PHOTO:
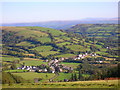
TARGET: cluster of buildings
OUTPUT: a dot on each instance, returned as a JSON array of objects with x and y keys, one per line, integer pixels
[
  {"x": 33, "y": 68},
  {"x": 99, "y": 61},
  {"x": 55, "y": 65},
  {"x": 81, "y": 56}
]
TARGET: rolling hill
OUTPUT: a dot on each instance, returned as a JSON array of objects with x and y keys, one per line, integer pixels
[
  {"x": 73, "y": 52},
  {"x": 42, "y": 40},
  {"x": 96, "y": 30}
]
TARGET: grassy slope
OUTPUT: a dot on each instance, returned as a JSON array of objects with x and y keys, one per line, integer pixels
[
  {"x": 31, "y": 75},
  {"x": 64, "y": 43},
  {"x": 65, "y": 55},
  {"x": 51, "y": 31},
  {"x": 33, "y": 62},
  {"x": 74, "y": 65},
  {"x": 77, "y": 48},
  {"x": 9, "y": 58},
  {"x": 16, "y": 71},
  {"x": 60, "y": 38},
  {"x": 78, "y": 84},
  {"x": 25, "y": 43},
  {"x": 25, "y": 31},
  {"x": 97, "y": 30},
  {"x": 63, "y": 76},
  {"x": 44, "y": 39},
  {"x": 42, "y": 33},
  {"x": 42, "y": 48},
  {"x": 48, "y": 53}
]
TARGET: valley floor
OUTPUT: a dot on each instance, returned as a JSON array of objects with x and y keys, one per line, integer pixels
[{"x": 77, "y": 84}]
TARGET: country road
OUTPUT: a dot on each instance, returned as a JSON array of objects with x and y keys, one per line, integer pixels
[{"x": 56, "y": 75}]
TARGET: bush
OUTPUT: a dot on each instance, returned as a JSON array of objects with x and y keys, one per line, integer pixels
[{"x": 8, "y": 78}]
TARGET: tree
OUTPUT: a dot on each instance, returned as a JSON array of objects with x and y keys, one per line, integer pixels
[
  {"x": 79, "y": 67},
  {"x": 13, "y": 66},
  {"x": 57, "y": 69},
  {"x": 8, "y": 78},
  {"x": 23, "y": 63},
  {"x": 80, "y": 75},
  {"x": 72, "y": 77},
  {"x": 75, "y": 77}
]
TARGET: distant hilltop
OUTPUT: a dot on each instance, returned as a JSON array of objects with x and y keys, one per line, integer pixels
[{"x": 67, "y": 23}]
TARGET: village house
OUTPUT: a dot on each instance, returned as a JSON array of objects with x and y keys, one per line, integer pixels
[
  {"x": 32, "y": 68},
  {"x": 56, "y": 64},
  {"x": 99, "y": 61},
  {"x": 45, "y": 60}
]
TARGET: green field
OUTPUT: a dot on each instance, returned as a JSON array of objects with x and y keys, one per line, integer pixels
[
  {"x": 103, "y": 49},
  {"x": 30, "y": 46},
  {"x": 65, "y": 55},
  {"x": 77, "y": 48},
  {"x": 25, "y": 43},
  {"x": 48, "y": 53},
  {"x": 48, "y": 30},
  {"x": 98, "y": 46},
  {"x": 85, "y": 75},
  {"x": 44, "y": 39},
  {"x": 42, "y": 48},
  {"x": 74, "y": 65},
  {"x": 26, "y": 32},
  {"x": 33, "y": 62},
  {"x": 31, "y": 75},
  {"x": 9, "y": 58},
  {"x": 79, "y": 84},
  {"x": 16, "y": 71},
  {"x": 102, "y": 53},
  {"x": 96, "y": 30},
  {"x": 63, "y": 76},
  {"x": 64, "y": 43}
]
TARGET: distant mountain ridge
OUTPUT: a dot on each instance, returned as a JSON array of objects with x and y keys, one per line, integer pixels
[{"x": 67, "y": 24}]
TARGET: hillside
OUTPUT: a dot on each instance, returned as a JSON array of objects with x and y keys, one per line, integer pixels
[
  {"x": 96, "y": 30},
  {"x": 44, "y": 53},
  {"x": 99, "y": 84},
  {"x": 46, "y": 39}
]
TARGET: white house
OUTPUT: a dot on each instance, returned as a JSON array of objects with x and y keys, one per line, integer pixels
[
  {"x": 53, "y": 71},
  {"x": 45, "y": 70}
]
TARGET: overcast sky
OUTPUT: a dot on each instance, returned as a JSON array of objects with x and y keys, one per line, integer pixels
[{"x": 14, "y": 12}]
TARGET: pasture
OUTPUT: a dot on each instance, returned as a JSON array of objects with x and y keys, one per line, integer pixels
[
  {"x": 64, "y": 43},
  {"x": 78, "y": 84},
  {"x": 33, "y": 62},
  {"x": 48, "y": 53},
  {"x": 42, "y": 48},
  {"x": 53, "y": 32},
  {"x": 16, "y": 71},
  {"x": 25, "y": 43},
  {"x": 28, "y": 33},
  {"x": 25, "y": 31},
  {"x": 9, "y": 58},
  {"x": 63, "y": 76},
  {"x": 73, "y": 65},
  {"x": 65, "y": 55},
  {"x": 78, "y": 48},
  {"x": 31, "y": 75},
  {"x": 44, "y": 39}
]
